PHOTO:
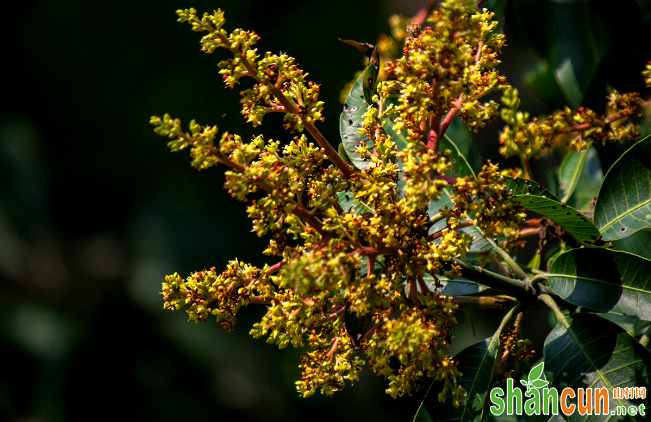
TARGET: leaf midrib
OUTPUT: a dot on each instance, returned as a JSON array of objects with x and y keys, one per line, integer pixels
[
  {"x": 598, "y": 281},
  {"x": 592, "y": 363},
  {"x": 619, "y": 217}
]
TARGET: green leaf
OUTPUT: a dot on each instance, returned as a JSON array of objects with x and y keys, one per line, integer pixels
[
  {"x": 571, "y": 220},
  {"x": 369, "y": 76},
  {"x": 639, "y": 243},
  {"x": 543, "y": 81},
  {"x": 580, "y": 47},
  {"x": 461, "y": 169},
  {"x": 589, "y": 182},
  {"x": 348, "y": 202},
  {"x": 587, "y": 351},
  {"x": 456, "y": 287},
  {"x": 633, "y": 326},
  {"x": 624, "y": 203},
  {"x": 607, "y": 281},
  {"x": 571, "y": 171},
  {"x": 400, "y": 139},
  {"x": 343, "y": 154},
  {"x": 568, "y": 83},
  {"x": 521, "y": 186},
  {"x": 476, "y": 365},
  {"x": 463, "y": 139},
  {"x": 351, "y": 120}
]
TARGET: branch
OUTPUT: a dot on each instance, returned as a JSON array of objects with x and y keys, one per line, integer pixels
[
  {"x": 547, "y": 300},
  {"x": 583, "y": 126},
  {"x": 299, "y": 210},
  {"x": 509, "y": 261},
  {"x": 450, "y": 116},
  {"x": 290, "y": 107},
  {"x": 484, "y": 302},
  {"x": 519, "y": 289}
]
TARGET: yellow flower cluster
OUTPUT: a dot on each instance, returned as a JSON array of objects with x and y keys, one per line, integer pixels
[{"x": 351, "y": 282}]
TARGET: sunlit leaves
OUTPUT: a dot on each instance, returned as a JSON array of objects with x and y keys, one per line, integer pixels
[
  {"x": 606, "y": 281},
  {"x": 589, "y": 351},
  {"x": 572, "y": 221},
  {"x": 624, "y": 203}
]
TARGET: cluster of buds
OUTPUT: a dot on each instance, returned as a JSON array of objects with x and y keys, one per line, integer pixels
[
  {"x": 352, "y": 280},
  {"x": 488, "y": 201},
  {"x": 527, "y": 138},
  {"x": 442, "y": 70},
  {"x": 516, "y": 353}
]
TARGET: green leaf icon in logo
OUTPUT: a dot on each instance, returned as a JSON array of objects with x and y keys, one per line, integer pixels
[{"x": 536, "y": 379}]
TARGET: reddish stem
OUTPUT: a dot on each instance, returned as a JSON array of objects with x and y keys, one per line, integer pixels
[
  {"x": 333, "y": 348},
  {"x": 583, "y": 126},
  {"x": 499, "y": 265},
  {"x": 434, "y": 132},
  {"x": 534, "y": 222},
  {"x": 423, "y": 287},
  {"x": 375, "y": 327},
  {"x": 529, "y": 232},
  {"x": 450, "y": 116},
  {"x": 261, "y": 300},
  {"x": 451, "y": 180},
  {"x": 371, "y": 266},
  {"x": 252, "y": 72}
]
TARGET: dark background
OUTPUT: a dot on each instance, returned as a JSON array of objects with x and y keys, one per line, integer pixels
[{"x": 95, "y": 210}]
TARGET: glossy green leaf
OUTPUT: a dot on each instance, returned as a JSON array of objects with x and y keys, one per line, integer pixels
[
  {"x": 465, "y": 142},
  {"x": 555, "y": 254},
  {"x": 400, "y": 139},
  {"x": 639, "y": 243},
  {"x": 633, "y": 326},
  {"x": 607, "y": 281},
  {"x": 456, "y": 287},
  {"x": 343, "y": 154},
  {"x": 568, "y": 83},
  {"x": 351, "y": 120},
  {"x": 570, "y": 36},
  {"x": 580, "y": 47},
  {"x": 589, "y": 182},
  {"x": 461, "y": 169},
  {"x": 571, "y": 220},
  {"x": 586, "y": 351},
  {"x": 369, "y": 76},
  {"x": 543, "y": 81},
  {"x": 476, "y": 365},
  {"x": 624, "y": 203},
  {"x": 571, "y": 171},
  {"x": 348, "y": 202},
  {"x": 521, "y": 186}
]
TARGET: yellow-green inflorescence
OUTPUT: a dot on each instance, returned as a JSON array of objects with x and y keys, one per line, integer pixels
[
  {"x": 352, "y": 247},
  {"x": 526, "y": 137}
]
